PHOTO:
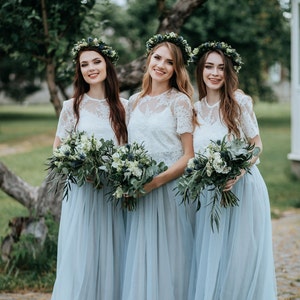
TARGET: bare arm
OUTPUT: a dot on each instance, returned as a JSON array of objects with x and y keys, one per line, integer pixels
[
  {"x": 56, "y": 142},
  {"x": 177, "y": 168}
]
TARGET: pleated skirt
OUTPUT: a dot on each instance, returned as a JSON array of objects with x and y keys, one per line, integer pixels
[
  {"x": 159, "y": 242},
  {"x": 90, "y": 247},
  {"x": 236, "y": 262}
]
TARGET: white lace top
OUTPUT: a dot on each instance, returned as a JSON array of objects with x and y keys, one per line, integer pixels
[
  {"x": 158, "y": 122},
  {"x": 211, "y": 125},
  {"x": 94, "y": 118}
]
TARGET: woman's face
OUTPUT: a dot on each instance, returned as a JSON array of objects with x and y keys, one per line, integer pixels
[
  {"x": 161, "y": 67},
  {"x": 213, "y": 71},
  {"x": 93, "y": 67}
]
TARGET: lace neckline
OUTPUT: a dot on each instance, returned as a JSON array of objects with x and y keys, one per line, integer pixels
[
  {"x": 159, "y": 95},
  {"x": 91, "y": 98},
  {"x": 213, "y": 105}
]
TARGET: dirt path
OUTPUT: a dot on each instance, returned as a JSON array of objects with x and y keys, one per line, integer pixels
[
  {"x": 286, "y": 243},
  {"x": 27, "y": 145}
]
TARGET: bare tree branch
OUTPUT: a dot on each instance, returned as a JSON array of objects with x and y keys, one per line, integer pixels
[{"x": 131, "y": 74}]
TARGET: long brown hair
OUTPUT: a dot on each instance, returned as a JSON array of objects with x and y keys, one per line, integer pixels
[
  {"x": 229, "y": 107},
  {"x": 117, "y": 111}
]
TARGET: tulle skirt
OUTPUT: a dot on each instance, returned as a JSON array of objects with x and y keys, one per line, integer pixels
[
  {"x": 159, "y": 248},
  {"x": 90, "y": 247},
  {"x": 235, "y": 263}
]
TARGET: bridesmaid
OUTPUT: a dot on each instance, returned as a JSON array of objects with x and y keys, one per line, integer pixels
[
  {"x": 235, "y": 263},
  {"x": 92, "y": 232},
  {"x": 159, "y": 233}
]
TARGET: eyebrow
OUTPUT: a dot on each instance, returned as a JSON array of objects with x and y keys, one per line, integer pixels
[
  {"x": 210, "y": 63},
  {"x": 96, "y": 58}
]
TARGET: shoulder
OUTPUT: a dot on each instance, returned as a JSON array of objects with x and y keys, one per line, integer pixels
[
  {"x": 243, "y": 99},
  {"x": 68, "y": 104},
  {"x": 124, "y": 101},
  {"x": 179, "y": 97},
  {"x": 133, "y": 97}
]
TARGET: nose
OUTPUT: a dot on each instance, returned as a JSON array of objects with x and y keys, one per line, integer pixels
[{"x": 215, "y": 71}]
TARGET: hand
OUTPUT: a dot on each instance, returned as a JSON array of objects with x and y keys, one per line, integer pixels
[{"x": 230, "y": 183}]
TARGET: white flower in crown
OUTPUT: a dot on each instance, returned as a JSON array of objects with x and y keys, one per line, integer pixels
[
  {"x": 97, "y": 43},
  {"x": 174, "y": 38},
  {"x": 222, "y": 46}
]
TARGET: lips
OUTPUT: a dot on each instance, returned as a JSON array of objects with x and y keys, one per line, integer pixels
[{"x": 93, "y": 75}]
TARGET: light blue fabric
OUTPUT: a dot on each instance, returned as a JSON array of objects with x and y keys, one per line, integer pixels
[
  {"x": 236, "y": 262},
  {"x": 90, "y": 253}
]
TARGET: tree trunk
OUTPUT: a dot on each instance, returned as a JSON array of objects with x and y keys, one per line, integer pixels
[{"x": 38, "y": 200}]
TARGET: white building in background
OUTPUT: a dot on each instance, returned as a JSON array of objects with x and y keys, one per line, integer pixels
[{"x": 294, "y": 156}]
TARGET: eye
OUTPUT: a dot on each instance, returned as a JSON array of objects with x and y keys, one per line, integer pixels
[
  {"x": 98, "y": 61},
  {"x": 83, "y": 65},
  {"x": 157, "y": 57},
  {"x": 170, "y": 62}
]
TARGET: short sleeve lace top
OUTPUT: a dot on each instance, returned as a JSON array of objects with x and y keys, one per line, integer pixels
[
  {"x": 211, "y": 126},
  {"x": 159, "y": 121},
  {"x": 94, "y": 118}
]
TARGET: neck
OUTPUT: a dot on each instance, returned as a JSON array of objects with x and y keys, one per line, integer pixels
[
  {"x": 97, "y": 92},
  {"x": 159, "y": 88},
  {"x": 212, "y": 97}
]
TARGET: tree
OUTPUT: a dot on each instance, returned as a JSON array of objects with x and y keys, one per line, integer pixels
[
  {"x": 38, "y": 33},
  {"x": 257, "y": 29}
]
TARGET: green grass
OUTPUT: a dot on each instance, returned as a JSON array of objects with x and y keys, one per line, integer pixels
[{"x": 274, "y": 122}]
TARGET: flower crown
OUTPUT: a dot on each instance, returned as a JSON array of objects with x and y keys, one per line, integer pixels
[
  {"x": 174, "y": 38},
  {"x": 225, "y": 48},
  {"x": 97, "y": 43}
]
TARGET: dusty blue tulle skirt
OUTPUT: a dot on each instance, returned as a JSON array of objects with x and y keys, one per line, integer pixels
[
  {"x": 235, "y": 263},
  {"x": 90, "y": 247},
  {"x": 159, "y": 248}
]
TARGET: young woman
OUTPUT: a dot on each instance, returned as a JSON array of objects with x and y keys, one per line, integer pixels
[
  {"x": 237, "y": 261},
  {"x": 159, "y": 232},
  {"x": 91, "y": 233}
]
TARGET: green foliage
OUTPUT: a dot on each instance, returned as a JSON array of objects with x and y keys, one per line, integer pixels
[
  {"x": 30, "y": 260},
  {"x": 256, "y": 29},
  {"x": 37, "y": 33}
]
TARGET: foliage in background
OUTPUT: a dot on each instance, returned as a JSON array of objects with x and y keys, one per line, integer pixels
[
  {"x": 31, "y": 264},
  {"x": 257, "y": 29}
]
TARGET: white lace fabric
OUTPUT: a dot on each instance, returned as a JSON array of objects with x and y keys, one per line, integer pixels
[
  {"x": 211, "y": 126},
  {"x": 94, "y": 118},
  {"x": 158, "y": 122}
]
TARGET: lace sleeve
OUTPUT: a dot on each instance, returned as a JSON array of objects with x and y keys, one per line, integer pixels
[
  {"x": 184, "y": 114},
  {"x": 249, "y": 123},
  {"x": 67, "y": 120}
]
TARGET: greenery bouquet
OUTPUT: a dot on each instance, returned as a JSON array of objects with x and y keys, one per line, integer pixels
[
  {"x": 79, "y": 159},
  {"x": 221, "y": 161},
  {"x": 130, "y": 169}
]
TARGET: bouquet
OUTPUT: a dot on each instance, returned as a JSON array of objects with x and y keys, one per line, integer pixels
[
  {"x": 221, "y": 161},
  {"x": 131, "y": 168},
  {"x": 80, "y": 158}
]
